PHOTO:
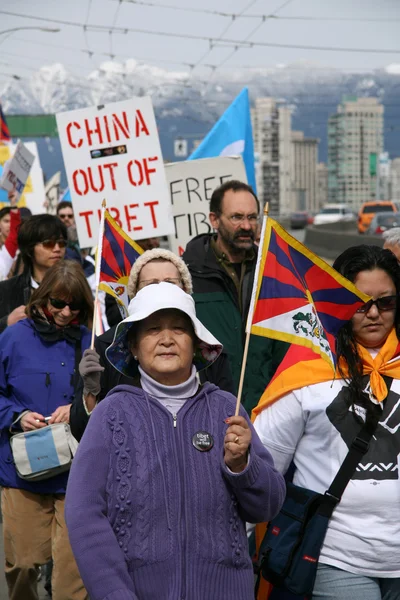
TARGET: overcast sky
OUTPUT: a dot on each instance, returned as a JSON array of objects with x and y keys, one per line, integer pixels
[{"x": 22, "y": 52}]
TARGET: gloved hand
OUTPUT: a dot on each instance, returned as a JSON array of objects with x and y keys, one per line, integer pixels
[{"x": 90, "y": 370}]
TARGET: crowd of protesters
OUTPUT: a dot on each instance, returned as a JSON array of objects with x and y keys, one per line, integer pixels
[{"x": 166, "y": 478}]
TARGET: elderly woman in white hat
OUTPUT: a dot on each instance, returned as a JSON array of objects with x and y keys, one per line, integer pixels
[
  {"x": 98, "y": 376},
  {"x": 166, "y": 476}
]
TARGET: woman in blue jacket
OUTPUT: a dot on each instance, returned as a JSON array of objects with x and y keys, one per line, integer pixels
[{"x": 38, "y": 361}]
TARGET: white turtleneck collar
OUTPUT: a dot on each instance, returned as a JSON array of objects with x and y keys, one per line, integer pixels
[{"x": 173, "y": 397}]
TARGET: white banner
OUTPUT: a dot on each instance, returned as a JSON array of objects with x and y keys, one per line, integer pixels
[
  {"x": 191, "y": 184},
  {"x": 114, "y": 152}
]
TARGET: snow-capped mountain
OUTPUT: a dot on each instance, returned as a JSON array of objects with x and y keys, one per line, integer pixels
[{"x": 186, "y": 106}]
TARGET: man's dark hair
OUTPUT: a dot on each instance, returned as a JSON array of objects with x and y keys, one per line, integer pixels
[
  {"x": 4, "y": 212},
  {"x": 235, "y": 186},
  {"x": 36, "y": 229},
  {"x": 64, "y": 204}
]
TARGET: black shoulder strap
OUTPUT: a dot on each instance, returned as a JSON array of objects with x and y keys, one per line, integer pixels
[{"x": 358, "y": 448}]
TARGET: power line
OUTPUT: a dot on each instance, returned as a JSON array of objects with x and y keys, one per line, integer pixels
[
  {"x": 107, "y": 54},
  {"x": 153, "y": 59},
  {"x": 252, "y": 32},
  {"x": 233, "y": 16},
  {"x": 112, "y": 28},
  {"x": 125, "y": 30},
  {"x": 226, "y": 29},
  {"x": 85, "y": 33},
  {"x": 339, "y": 19},
  {"x": 30, "y": 58}
]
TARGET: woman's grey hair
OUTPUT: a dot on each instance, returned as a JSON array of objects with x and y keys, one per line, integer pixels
[
  {"x": 161, "y": 255},
  {"x": 392, "y": 236}
]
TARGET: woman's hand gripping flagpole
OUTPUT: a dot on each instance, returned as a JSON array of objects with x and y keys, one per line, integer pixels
[
  {"x": 97, "y": 272},
  {"x": 261, "y": 251}
]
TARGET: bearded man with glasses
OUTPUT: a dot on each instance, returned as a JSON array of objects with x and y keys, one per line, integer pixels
[
  {"x": 65, "y": 213},
  {"x": 42, "y": 240},
  {"x": 222, "y": 265}
]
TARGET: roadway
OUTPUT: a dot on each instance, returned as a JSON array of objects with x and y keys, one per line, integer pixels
[{"x": 299, "y": 234}]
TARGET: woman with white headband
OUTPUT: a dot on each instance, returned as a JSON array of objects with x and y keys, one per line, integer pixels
[
  {"x": 98, "y": 376},
  {"x": 166, "y": 476}
]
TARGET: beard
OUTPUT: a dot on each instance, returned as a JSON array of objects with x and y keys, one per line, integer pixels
[{"x": 232, "y": 239}]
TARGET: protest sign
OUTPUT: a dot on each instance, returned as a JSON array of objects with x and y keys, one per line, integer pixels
[
  {"x": 16, "y": 170},
  {"x": 191, "y": 184},
  {"x": 113, "y": 152},
  {"x": 33, "y": 193},
  {"x": 52, "y": 191}
]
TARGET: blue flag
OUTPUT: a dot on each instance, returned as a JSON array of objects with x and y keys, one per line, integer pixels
[
  {"x": 232, "y": 134},
  {"x": 66, "y": 196}
]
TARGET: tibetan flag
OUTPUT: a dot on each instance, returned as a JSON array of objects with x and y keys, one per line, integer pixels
[
  {"x": 5, "y": 136},
  {"x": 298, "y": 298},
  {"x": 118, "y": 253}
]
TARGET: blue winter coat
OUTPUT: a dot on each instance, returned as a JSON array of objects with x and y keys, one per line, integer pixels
[{"x": 38, "y": 376}]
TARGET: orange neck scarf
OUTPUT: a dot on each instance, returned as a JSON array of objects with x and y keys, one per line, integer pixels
[
  {"x": 380, "y": 365},
  {"x": 311, "y": 370}
]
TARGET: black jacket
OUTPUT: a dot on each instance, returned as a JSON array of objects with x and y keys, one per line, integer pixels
[
  {"x": 217, "y": 306},
  {"x": 218, "y": 373},
  {"x": 113, "y": 314},
  {"x": 13, "y": 293}
]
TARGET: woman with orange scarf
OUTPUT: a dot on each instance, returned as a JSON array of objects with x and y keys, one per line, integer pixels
[{"x": 317, "y": 418}]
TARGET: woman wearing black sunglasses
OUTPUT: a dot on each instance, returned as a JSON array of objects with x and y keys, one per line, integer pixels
[
  {"x": 315, "y": 424},
  {"x": 39, "y": 357},
  {"x": 42, "y": 241}
]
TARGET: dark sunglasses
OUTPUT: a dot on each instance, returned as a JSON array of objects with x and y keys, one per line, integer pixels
[
  {"x": 50, "y": 244},
  {"x": 60, "y": 304},
  {"x": 382, "y": 304}
]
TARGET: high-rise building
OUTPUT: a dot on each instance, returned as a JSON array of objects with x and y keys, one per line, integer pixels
[
  {"x": 272, "y": 145},
  {"x": 355, "y": 141},
  {"x": 304, "y": 176},
  {"x": 322, "y": 185},
  {"x": 394, "y": 186}
]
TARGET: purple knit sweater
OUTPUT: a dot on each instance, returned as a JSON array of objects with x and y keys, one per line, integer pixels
[{"x": 150, "y": 517}]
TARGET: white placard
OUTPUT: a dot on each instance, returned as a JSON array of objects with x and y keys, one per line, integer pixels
[
  {"x": 17, "y": 169},
  {"x": 33, "y": 195},
  {"x": 191, "y": 184},
  {"x": 113, "y": 152},
  {"x": 52, "y": 191}
]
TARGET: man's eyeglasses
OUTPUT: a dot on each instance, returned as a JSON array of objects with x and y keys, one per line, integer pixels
[
  {"x": 237, "y": 219},
  {"x": 382, "y": 304},
  {"x": 66, "y": 216},
  {"x": 50, "y": 244},
  {"x": 146, "y": 282},
  {"x": 60, "y": 304}
]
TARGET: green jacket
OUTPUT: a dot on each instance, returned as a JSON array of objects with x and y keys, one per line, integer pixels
[{"x": 217, "y": 306}]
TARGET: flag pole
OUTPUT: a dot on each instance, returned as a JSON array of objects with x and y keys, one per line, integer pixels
[
  {"x": 97, "y": 272},
  {"x": 251, "y": 309}
]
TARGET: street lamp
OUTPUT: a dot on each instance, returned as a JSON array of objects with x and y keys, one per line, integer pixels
[{"x": 46, "y": 29}]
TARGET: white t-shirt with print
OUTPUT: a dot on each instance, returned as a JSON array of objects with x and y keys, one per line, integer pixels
[{"x": 310, "y": 426}]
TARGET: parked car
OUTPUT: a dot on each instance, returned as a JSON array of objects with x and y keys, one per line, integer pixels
[
  {"x": 331, "y": 213},
  {"x": 300, "y": 219},
  {"x": 382, "y": 222},
  {"x": 369, "y": 209}
]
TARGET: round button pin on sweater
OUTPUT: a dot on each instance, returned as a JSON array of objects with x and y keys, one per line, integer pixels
[{"x": 203, "y": 441}]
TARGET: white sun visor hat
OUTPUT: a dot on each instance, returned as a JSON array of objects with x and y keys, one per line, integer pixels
[{"x": 150, "y": 299}]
